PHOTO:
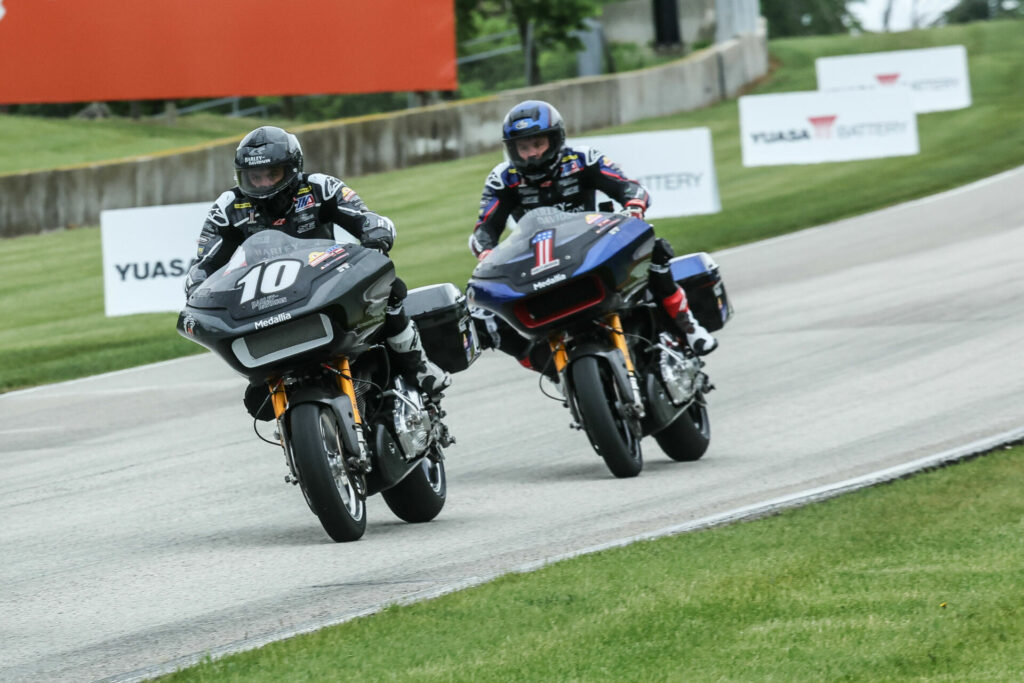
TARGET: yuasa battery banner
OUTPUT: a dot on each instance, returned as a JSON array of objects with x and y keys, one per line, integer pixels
[
  {"x": 147, "y": 252},
  {"x": 96, "y": 50},
  {"x": 146, "y": 255},
  {"x": 815, "y": 127},
  {"x": 676, "y": 166},
  {"x": 936, "y": 77}
]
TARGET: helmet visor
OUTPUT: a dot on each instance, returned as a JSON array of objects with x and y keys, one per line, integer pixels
[{"x": 263, "y": 181}]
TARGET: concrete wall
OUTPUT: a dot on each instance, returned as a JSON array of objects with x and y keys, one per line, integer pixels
[{"x": 47, "y": 200}]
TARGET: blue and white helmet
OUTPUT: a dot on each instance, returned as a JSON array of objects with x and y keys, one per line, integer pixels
[{"x": 526, "y": 120}]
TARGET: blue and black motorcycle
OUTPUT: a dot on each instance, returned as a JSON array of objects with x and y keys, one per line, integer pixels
[{"x": 575, "y": 284}]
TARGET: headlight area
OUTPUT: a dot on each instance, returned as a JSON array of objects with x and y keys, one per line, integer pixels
[{"x": 283, "y": 341}]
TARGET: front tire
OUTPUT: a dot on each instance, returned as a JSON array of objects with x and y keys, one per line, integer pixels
[
  {"x": 687, "y": 437},
  {"x": 609, "y": 431},
  {"x": 331, "y": 489},
  {"x": 421, "y": 495}
]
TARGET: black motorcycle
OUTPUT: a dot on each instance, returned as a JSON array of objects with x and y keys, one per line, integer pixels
[
  {"x": 575, "y": 284},
  {"x": 304, "y": 318}
]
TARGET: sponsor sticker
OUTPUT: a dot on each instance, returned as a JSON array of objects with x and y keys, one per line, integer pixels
[{"x": 543, "y": 250}]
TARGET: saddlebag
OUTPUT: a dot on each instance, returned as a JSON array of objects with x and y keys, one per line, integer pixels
[
  {"x": 698, "y": 275},
  {"x": 447, "y": 331}
]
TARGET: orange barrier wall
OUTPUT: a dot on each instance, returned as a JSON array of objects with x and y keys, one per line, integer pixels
[{"x": 86, "y": 50}]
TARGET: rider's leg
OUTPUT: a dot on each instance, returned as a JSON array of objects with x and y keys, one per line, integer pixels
[
  {"x": 403, "y": 339},
  {"x": 673, "y": 300}
]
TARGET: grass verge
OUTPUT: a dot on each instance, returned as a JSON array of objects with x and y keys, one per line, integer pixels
[
  {"x": 51, "y": 299},
  {"x": 919, "y": 579}
]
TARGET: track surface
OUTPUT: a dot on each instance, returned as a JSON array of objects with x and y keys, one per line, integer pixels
[{"x": 143, "y": 522}]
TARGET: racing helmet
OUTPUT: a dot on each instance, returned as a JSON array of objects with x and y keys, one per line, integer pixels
[
  {"x": 526, "y": 120},
  {"x": 268, "y": 163}
]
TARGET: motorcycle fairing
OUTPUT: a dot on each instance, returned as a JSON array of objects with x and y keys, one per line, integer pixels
[
  {"x": 612, "y": 248},
  {"x": 275, "y": 280}
]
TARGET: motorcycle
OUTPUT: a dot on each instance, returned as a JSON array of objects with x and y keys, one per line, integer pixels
[
  {"x": 303, "y": 317},
  {"x": 575, "y": 285}
]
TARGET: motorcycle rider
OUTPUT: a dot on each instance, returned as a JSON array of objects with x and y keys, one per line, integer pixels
[
  {"x": 273, "y": 193},
  {"x": 543, "y": 171}
]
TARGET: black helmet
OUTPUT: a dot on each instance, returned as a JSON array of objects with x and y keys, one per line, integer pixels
[
  {"x": 525, "y": 120},
  {"x": 268, "y": 162}
]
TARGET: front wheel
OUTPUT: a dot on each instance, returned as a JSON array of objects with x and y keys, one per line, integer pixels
[
  {"x": 421, "y": 495},
  {"x": 602, "y": 412},
  {"x": 331, "y": 489},
  {"x": 686, "y": 438}
]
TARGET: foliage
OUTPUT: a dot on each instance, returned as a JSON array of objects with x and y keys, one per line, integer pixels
[
  {"x": 808, "y": 17},
  {"x": 982, "y": 10},
  {"x": 540, "y": 24}
]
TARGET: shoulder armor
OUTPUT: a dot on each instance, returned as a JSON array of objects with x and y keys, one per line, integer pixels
[
  {"x": 327, "y": 184},
  {"x": 590, "y": 155},
  {"x": 502, "y": 176},
  {"x": 219, "y": 211}
]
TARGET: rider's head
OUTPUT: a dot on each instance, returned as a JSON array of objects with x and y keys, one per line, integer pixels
[
  {"x": 533, "y": 134},
  {"x": 268, "y": 162}
]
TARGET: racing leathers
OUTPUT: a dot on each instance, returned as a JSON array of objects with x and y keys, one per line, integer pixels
[
  {"x": 319, "y": 203},
  {"x": 580, "y": 173}
]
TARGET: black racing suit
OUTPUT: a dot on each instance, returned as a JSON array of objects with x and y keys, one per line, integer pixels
[
  {"x": 320, "y": 201},
  {"x": 581, "y": 172}
]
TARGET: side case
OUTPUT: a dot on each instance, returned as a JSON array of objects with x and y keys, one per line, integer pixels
[
  {"x": 698, "y": 275},
  {"x": 447, "y": 331}
]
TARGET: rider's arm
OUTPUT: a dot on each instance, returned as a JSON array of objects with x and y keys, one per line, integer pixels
[
  {"x": 217, "y": 241},
  {"x": 606, "y": 176},
  {"x": 496, "y": 204},
  {"x": 341, "y": 205}
]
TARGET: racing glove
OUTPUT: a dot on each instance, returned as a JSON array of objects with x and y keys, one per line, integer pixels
[
  {"x": 379, "y": 237},
  {"x": 633, "y": 209}
]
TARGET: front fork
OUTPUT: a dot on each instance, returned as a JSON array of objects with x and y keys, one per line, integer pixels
[
  {"x": 613, "y": 323},
  {"x": 343, "y": 375}
]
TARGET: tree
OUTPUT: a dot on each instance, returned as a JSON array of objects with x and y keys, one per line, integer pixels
[
  {"x": 980, "y": 10},
  {"x": 540, "y": 24},
  {"x": 808, "y": 17}
]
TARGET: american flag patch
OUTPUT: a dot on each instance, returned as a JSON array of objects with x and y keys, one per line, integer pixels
[{"x": 543, "y": 250}]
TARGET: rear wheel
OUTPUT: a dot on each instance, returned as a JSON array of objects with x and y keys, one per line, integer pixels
[
  {"x": 687, "y": 437},
  {"x": 333, "y": 492},
  {"x": 602, "y": 411},
  {"x": 421, "y": 495}
]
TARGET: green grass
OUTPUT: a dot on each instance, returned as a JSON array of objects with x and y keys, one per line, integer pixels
[
  {"x": 918, "y": 580},
  {"x": 33, "y": 143},
  {"x": 435, "y": 205}
]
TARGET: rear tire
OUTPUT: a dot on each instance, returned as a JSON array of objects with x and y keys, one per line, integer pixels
[
  {"x": 332, "y": 491},
  {"x": 609, "y": 432},
  {"x": 421, "y": 495},
  {"x": 687, "y": 437}
]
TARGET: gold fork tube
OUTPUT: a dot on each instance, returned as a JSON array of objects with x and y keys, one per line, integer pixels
[
  {"x": 619, "y": 339},
  {"x": 278, "y": 398},
  {"x": 346, "y": 386},
  {"x": 559, "y": 354}
]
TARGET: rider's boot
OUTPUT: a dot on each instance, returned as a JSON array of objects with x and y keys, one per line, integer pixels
[
  {"x": 411, "y": 359},
  {"x": 673, "y": 300}
]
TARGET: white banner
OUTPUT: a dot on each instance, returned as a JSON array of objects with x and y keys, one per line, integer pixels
[
  {"x": 936, "y": 77},
  {"x": 146, "y": 254},
  {"x": 676, "y": 166},
  {"x": 815, "y": 127}
]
